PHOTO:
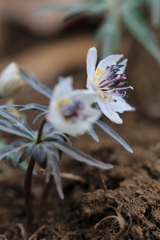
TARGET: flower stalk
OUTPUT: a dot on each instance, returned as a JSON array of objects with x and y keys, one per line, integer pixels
[{"x": 28, "y": 183}]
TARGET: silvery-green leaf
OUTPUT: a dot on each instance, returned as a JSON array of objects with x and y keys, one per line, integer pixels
[
  {"x": 23, "y": 119},
  {"x": 11, "y": 151},
  {"x": 92, "y": 133},
  {"x": 139, "y": 28},
  {"x": 36, "y": 85},
  {"x": 80, "y": 156},
  {"x": 154, "y": 6},
  {"x": 39, "y": 154},
  {"x": 53, "y": 165},
  {"x": 53, "y": 7},
  {"x": 77, "y": 9},
  {"x": 49, "y": 146},
  {"x": 35, "y": 107},
  {"x": 18, "y": 143},
  {"x": 114, "y": 135},
  {"x": 9, "y": 127},
  {"x": 10, "y": 106},
  {"x": 28, "y": 134},
  {"x": 3, "y": 144},
  {"x": 38, "y": 116},
  {"x": 9, "y": 116},
  {"x": 109, "y": 35},
  {"x": 47, "y": 127},
  {"x": 26, "y": 153},
  {"x": 14, "y": 157},
  {"x": 53, "y": 134},
  {"x": 20, "y": 127}
]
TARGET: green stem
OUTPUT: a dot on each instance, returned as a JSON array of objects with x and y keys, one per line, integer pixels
[{"x": 28, "y": 183}]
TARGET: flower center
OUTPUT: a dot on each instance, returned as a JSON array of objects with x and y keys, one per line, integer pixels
[
  {"x": 70, "y": 110},
  {"x": 110, "y": 83}
]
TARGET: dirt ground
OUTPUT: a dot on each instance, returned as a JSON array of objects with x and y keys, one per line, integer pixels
[{"x": 122, "y": 203}]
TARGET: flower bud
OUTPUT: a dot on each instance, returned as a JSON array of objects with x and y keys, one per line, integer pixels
[{"x": 11, "y": 81}]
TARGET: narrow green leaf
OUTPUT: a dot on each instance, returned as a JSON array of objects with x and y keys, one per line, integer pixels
[
  {"x": 140, "y": 30},
  {"x": 114, "y": 135},
  {"x": 109, "y": 36},
  {"x": 80, "y": 156}
]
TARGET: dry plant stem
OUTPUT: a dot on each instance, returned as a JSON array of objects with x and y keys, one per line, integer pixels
[{"x": 28, "y": 183}]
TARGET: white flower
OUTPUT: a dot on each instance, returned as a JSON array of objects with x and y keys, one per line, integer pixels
[
  {"x": 70, "y": 111},
  {"x": 11, "y": 81},
  {"x": 108, "y": 80}
]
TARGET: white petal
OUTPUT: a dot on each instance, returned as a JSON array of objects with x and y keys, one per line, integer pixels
[
  {"x": 108, "y": 111},
  {"x": 86, "y": 96},
  {"x": 122, "y": 69},
  {"x": 91, "y": 65},
  {"x": 80, "y": 125},
  {"x": 91, "y": 61},
  {"x": 73, "y": 128},
  {"x": 63, "y": 88},
  {"x": 109, "y": 61},
  {"x": 89, "y": 84},
  {"x": 121, "y": 105}
]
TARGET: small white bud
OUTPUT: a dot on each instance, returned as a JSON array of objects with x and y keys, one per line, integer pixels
[{"x": 11, "y": 81}]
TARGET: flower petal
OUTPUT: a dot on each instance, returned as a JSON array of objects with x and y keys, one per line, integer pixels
[
  {"x": 109, "y": 61},
  {"x": 63, "y": 88},
  {"x": 122, "y": 69},
  {"x": 109, "y": 111},
  {"x": 91, "y": 65},
  {"x": 121, "y": 105},
  {"x": 79, "y": 124}
]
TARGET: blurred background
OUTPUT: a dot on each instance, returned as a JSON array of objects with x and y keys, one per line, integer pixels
[{"x": 51, "y": 38}]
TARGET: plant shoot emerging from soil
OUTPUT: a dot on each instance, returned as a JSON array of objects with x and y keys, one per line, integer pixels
[{"x": 70, "y": 112}]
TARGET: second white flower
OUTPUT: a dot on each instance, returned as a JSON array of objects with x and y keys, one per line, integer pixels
[{"x": 70, "y": 111}]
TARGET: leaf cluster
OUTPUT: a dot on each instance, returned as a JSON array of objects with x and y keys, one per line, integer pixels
[{"x": 117, "y": 15}]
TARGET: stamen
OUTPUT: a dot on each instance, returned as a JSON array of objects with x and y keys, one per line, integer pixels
[
  {"x": 100, "y": 91},
  {"x": 95, "y": 79},
  {"x": 62, "y": 101},
  {"x": 99, "y": 72}
]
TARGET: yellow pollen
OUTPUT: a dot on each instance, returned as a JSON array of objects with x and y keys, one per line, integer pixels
[
  {"x": 57, "y": 105},
  {"x": 100, "y": 91},
  {"x": 63, "y": 100},
  {"x": 97, "y": 84},
  {"x": 110, "y": 97},
  {"x": 95, "y": 79},
  {"x": 110, "y": 100},
  {"x": 99, "y": 72}
]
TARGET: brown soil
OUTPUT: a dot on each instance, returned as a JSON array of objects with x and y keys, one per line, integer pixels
[{"x": 123, "y": 203}]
